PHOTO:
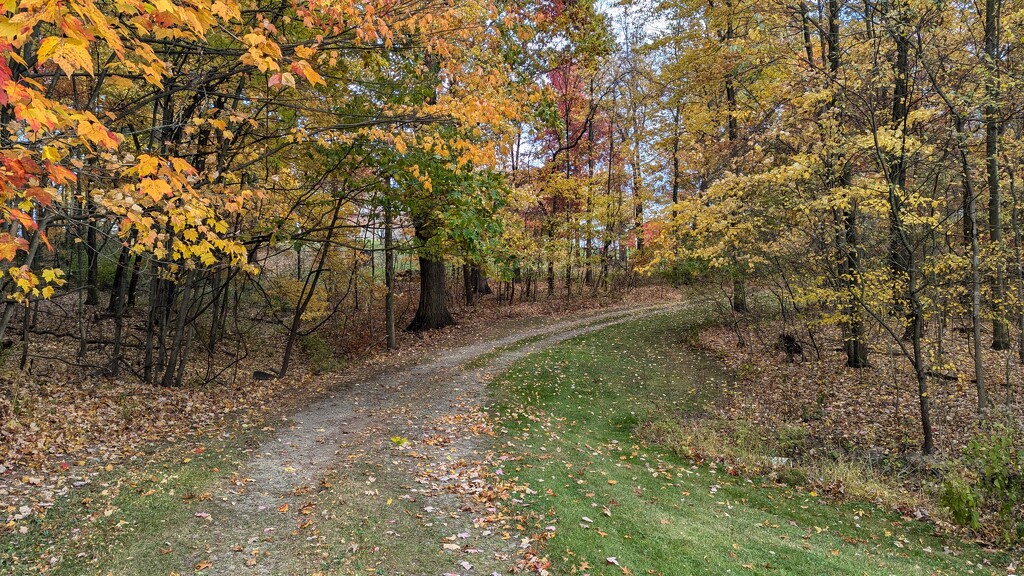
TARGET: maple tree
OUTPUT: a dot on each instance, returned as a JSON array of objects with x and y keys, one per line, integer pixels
[{"x": 189, "y": 134}]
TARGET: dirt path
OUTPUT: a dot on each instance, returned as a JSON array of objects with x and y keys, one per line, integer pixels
[{"x": 275, "y": 518}]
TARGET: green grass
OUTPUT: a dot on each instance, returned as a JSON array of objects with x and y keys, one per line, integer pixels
[
  {"x": 485, "y": 359},
  {"x": 143, "y": 516},
  {"x": 572, "y": 411}
]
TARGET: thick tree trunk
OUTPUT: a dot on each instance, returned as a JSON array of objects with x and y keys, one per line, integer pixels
[
  {"x": 480, "y": 283},
  {"x": 475, "y": 280},
  {"x": 432, "y": 312}
]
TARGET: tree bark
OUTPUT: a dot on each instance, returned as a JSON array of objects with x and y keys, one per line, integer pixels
[
  {"x": 848, "y": 239},
  {"x": 432, "y": 312},
  {"x": 1019, "y": 262},
  {"x": 468, "y": 284},
  {"x": 899, "y": 257},
  {"x": 1000, "y": 329},
  {"x": 739, "y": 296},
  {"x": 480, "y": 283},
  {"x": 92, "y": 256},
  {"x": 389, "y": 278}
]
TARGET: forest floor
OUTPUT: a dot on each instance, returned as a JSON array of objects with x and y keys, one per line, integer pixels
[{"x": 516, "y": 451}]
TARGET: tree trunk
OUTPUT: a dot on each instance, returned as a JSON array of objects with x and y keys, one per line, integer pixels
[
  {"x": 432, "y": 312},
  {"x": 979, "y": 372},
  {"x": 117, "y": 291},
  {"x": 133, "y": 284},
  {"x": 92, "y": 257},
  {"x": 480, "y": 284},
  {"x": 924, "y": 399},
  {"x": 848, "y": 239},
  {"x": 1000, "y": 329},
  {"x": 468, "y": 285},
  {"x": 389, "y": 278},
  {"x": 739, "y": 296},
  {"x": 177, "y": 349},
  {"x": 899, "y": 258},
  {"x": 854, "y": 344},
  {"x": 309, "y": 289},
  {"x": 117, "y": 309}
]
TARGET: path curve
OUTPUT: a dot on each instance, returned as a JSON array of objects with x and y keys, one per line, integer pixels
[{"x": 359, "y": 417}]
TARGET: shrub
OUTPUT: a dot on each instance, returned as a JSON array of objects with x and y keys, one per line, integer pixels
[
  {"x": 285, "y": 292},
  {"x": 987, "y": 489},
  {"x": 964, "y": 504},
  {"x": 319, "y": 354}
]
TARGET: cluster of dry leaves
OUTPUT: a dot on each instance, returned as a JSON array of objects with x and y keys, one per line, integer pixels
[
  {"x": 870, "y": 411},
  {"x": 491, "y": 500}
]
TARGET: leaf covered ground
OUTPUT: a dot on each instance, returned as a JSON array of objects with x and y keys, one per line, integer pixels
[
  {"x": 857, "y": 410},
  {"x": 62, "y": 429}
]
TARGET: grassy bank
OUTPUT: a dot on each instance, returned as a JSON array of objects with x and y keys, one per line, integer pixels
[{"x": 614, "y": 502}]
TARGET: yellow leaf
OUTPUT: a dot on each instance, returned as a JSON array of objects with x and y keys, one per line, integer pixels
[
  {"x": 147, "y": 165},
  {"x": 155, "y": 188},
  {"x": 51, "y": 153}
]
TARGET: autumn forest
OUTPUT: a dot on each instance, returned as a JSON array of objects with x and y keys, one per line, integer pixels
[{"x": 487, "y": 286}]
